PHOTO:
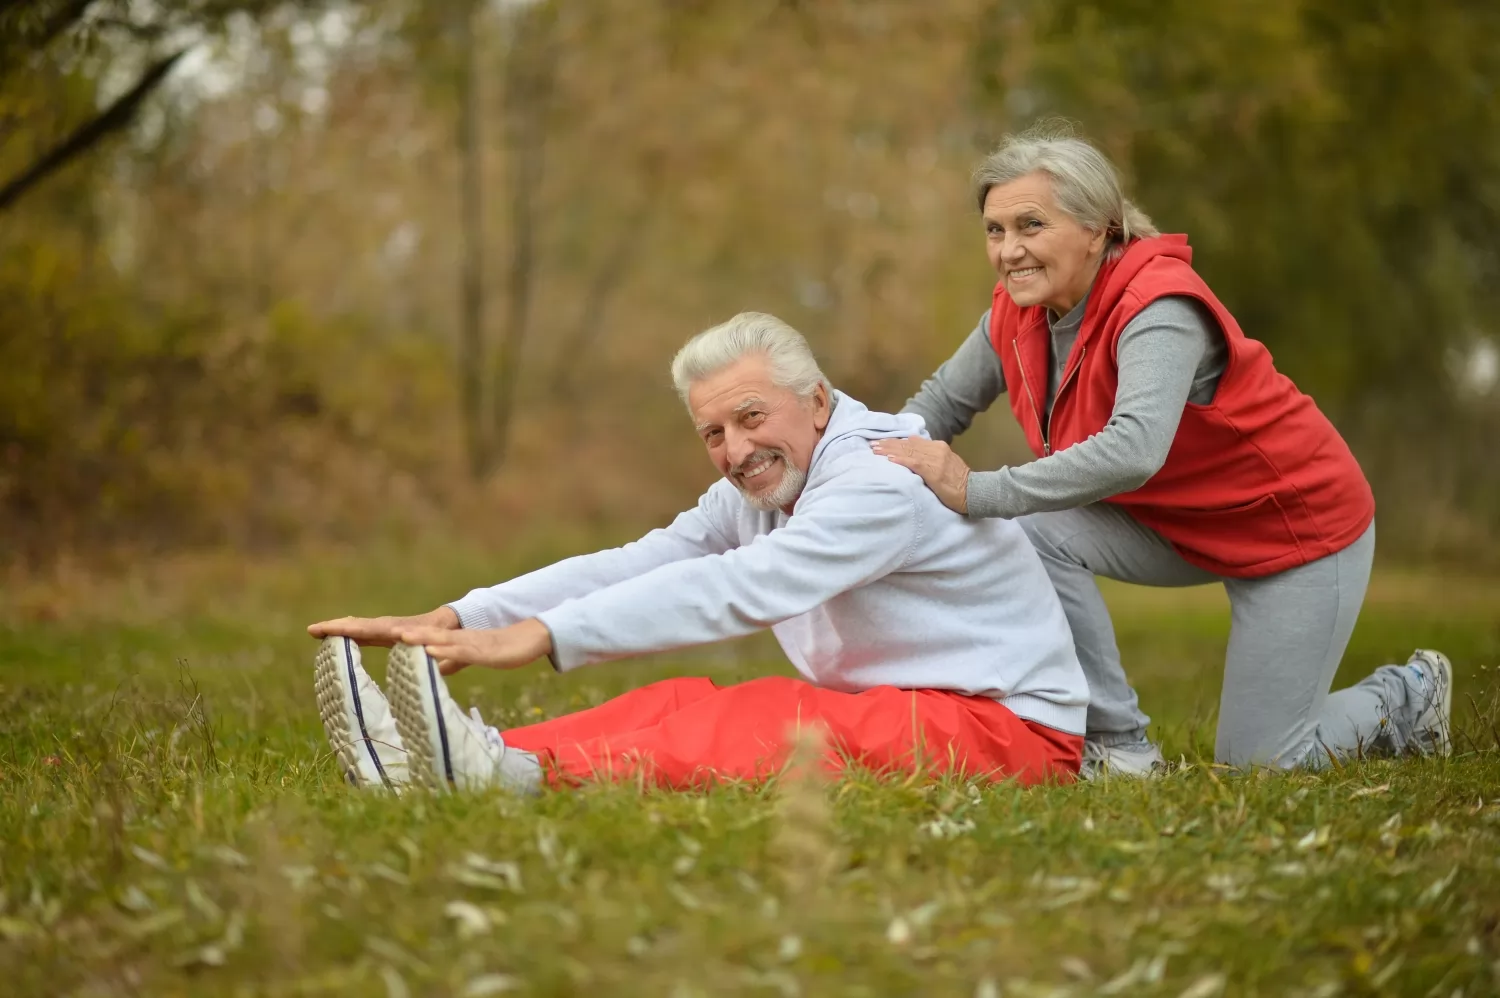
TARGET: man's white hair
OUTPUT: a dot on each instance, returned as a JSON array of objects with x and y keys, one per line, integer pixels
[
  {"x": 1084, "y": 181},
  {"x": 793, "y": 365}
]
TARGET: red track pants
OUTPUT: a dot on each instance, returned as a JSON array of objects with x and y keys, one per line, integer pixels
[{"x": 682, "y": 733}]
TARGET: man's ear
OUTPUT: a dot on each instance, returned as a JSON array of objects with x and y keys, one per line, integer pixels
[{"x": 822, "y": 407}]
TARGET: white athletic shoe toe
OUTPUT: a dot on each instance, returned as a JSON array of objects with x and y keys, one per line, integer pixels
[
  {"x": 357, "y": 718},
  {"x": 449, "y": 749},
  {"x": 1433, "y": 732},
  {"x": 1135, "y": 761}
]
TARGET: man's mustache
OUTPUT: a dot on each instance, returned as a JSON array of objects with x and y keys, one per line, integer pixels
[{"x": 757, "y": 458}]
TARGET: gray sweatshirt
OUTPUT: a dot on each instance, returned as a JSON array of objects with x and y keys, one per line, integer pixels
[
  {"x": 870, "y": 582},
  {"x": 1170, "y": 354}
]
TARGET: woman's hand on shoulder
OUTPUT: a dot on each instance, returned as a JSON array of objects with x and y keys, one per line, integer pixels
[{"x": 945, "y": 473}]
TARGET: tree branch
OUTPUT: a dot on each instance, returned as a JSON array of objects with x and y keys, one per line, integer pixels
[
  {"x": 141, "y": 32},
  {"x": 61, "y": 20},
  {"x": 112, "y": 119}
]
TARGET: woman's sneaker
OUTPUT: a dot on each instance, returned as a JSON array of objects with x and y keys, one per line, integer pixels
[
  {"x": 447, "y": 748},
  {"x": 1138, "y": 761},
  {"x": 357, "y": 718},
  {"x": 1432, "y": 681}
]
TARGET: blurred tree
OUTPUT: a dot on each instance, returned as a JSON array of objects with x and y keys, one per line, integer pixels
[
  {"x": 152, "y": 36},
  {"x": 1336, "y": 164},
  {"x": 531, "y": 69},
  {"x": 1310, "y": 148},
  {"x": 256, "y": 319}
]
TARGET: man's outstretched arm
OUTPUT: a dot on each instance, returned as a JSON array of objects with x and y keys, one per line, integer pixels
[
  {"x": 844, "y": 534},
  {"x": 706, "y": 529},
  {"x": 699, "y": 531}
]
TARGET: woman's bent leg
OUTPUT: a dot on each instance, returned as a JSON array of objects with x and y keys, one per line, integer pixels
[
  {"x": 1289, "y": 635},
  {"x": 1078, "y": 544}
]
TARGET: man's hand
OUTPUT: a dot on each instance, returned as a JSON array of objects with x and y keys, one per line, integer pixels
[
  {"x": 506, "y": 648},
  {"x": 383, "y": 631},
  {"x": 945, "y": 472}
]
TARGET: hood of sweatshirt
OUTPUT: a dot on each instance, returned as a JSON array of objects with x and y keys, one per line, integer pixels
[{"x": 851, "y": 428}]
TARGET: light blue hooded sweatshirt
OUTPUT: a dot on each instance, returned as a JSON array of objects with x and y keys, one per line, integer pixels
[{"x": 871, "y": 581}]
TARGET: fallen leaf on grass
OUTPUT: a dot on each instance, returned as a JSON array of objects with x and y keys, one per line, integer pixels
[
  {"x": 216, "y": 953},
  {"x": 395, "y": 987},
  {"x": 389, "y": 873},
  {"x": 298, "y": 876},
  {"x": 151, "y": 859},
  {"x": 490, "y": 984},
  {"x": 1435, "y": 891},
  {"x": 470, "y": 918},
  {"x": 202, "y": 903},
  {"x": 1071, "y": 890},
  {"x": 1075, "y": 967},
  {"x": 1315, "y": 839},
  {"x": 393, "y": 953},
  {"x": 1382, "y": 977},
  {"x": 228, "y": 857},
  {"x": 945, "y": 827},
  {"x": 477, "y": 871},
  {"x": 212, "y": 955},
  {"x": 134, "y": 899},
  {"x": 684, "y": 897},
  {"x": 1204, "y": 987},
  {"x": 152, "y": 924},
  {"x": 1121, "y": 983},
  {"x": 1370, "y": 791}
]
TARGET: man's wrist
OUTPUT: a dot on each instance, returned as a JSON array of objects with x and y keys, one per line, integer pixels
[
  {"x": 445, "y": 616},
  {"x": 539, "y": 637}
]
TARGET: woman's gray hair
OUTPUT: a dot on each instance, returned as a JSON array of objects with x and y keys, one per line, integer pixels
[
  {"x": 1084, "y": 181},
  {"x": 793, "y": 365}
]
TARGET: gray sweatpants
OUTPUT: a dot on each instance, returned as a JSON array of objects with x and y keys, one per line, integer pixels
[{"x": 1288, "y": 634}]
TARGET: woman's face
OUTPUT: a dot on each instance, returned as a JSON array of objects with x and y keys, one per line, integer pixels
[{"x": 1043, "y": 256}]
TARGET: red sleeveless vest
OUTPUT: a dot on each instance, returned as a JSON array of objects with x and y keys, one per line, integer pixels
[{"x": 1256, "y": 482}]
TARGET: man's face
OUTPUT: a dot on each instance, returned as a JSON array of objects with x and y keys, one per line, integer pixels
[{"x": 760, "y": 437}]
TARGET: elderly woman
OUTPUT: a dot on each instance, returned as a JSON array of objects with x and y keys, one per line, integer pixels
[{"x": 1169, "y": 452}]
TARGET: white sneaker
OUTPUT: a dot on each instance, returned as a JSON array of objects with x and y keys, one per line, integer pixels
[
  {"x": 1433, "y": 732},
  {"x": 357, "y": 718},
  {"x": 448, "y": 748},
  {"x": 1136, "y": 761}
]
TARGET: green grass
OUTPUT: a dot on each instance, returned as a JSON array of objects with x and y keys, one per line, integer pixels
[{"x": 172, "y": 823}]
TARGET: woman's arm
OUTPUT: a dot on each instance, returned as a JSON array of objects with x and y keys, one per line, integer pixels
[
  {"x": 967, "y": 384},
  {"x": 1160, "y": 353}
]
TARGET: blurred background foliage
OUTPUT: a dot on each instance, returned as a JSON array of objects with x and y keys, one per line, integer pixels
[{"x": 405, "y": 266}]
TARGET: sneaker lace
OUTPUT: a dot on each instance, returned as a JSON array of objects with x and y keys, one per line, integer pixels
[
  {"x": 1094, "y": 752},
  {"x": 490, "y": 732}
]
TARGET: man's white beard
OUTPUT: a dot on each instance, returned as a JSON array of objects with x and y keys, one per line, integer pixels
[{"x": 786, "y": 493}]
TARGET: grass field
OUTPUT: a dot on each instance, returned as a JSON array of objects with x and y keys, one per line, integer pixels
[{"x": 172, "y": 823}]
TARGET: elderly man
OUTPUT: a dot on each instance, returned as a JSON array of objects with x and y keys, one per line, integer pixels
[{"x": 929, "y": 641}]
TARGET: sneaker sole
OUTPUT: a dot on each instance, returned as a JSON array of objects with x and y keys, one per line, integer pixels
[
  {"x": 336, "y": 682},
  {"x": 411, "y": 683},
  {"x": 1443, "y": 731}
]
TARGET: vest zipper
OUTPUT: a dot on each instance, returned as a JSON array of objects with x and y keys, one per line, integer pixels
[
  {"x": 1082, "y": 353},
  {"x": 1045, "y": 426},
  {"x": 1041, "y": 426}
]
